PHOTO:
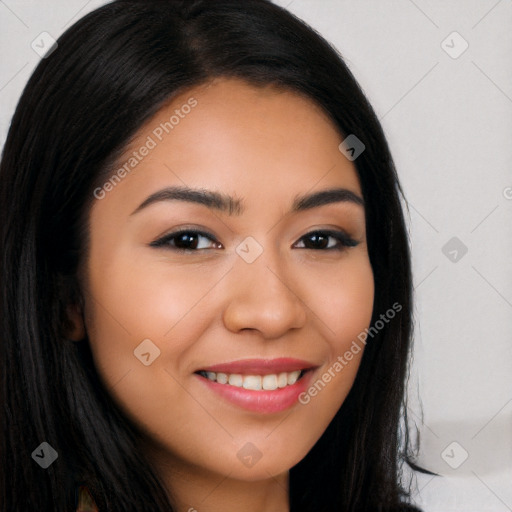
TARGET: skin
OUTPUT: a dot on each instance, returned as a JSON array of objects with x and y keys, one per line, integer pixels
[{"x": 264, "y": 146}]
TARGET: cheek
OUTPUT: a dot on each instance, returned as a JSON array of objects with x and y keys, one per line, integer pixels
[
  {"x": 143, "y": 300},
  {"x": 343, "y": 305},
  {"x": 343, "y": 301},
  {"x": 131, "y": 303}
]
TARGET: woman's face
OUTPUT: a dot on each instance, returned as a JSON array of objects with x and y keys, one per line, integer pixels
[{"x": 236, "y": 267}]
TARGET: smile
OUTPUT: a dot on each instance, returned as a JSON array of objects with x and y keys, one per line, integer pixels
[
  {"x": 258, "y": 385},
  {"x": 255, "y": 382}
]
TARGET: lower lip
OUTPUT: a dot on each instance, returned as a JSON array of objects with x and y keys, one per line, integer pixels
[{"x": 264, "y": 402}]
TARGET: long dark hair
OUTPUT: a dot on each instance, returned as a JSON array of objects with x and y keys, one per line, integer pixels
[{"x": 111, "y": 72}]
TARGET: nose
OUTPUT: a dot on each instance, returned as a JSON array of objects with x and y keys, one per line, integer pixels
[{"x": 262, "y": 299}]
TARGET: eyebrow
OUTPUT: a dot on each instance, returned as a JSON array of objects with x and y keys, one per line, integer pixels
[{"x": 235, "y": 206}]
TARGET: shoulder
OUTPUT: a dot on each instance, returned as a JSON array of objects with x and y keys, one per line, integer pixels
[
  {"x": 85, "y": 500},
  {"x": 405, "y": 507}
]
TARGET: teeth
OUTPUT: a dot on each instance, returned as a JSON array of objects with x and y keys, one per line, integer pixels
[
  {"x": 252, "y": 382},
  {"x": 255, "y": 382},
  {"x": 282, "y": 380},
  {"x": 292, "y": 377},
  {"x": 222, "y": 378},
  {"x": 269, "y": 382},
  {"x": 235, "y": 380}
]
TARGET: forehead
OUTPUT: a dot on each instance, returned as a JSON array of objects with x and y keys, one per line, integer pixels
[{"x": 259, "y": 143}]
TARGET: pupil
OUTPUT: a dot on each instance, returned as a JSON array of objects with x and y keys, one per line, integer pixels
[
  {"x": 187, "y": 240},
  {"x": 318, "y": 240}
]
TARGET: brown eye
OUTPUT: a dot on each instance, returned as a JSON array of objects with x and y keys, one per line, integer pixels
[
  {"x": 327, "y": 240},
  {"x": 187, "y": 240}
]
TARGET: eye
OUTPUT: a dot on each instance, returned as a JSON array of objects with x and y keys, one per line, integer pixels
[
  {"x": 194, "y": 240},
  {"x": 187, "y": 240},
  {"x": 326, "y": 240}
]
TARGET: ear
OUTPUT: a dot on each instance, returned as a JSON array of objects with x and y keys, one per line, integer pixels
[
  {"x": 71, "y": 307},
  {"x": 74, "y": 325}
]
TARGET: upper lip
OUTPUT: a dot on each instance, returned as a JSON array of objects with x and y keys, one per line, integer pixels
[{"x": 260, "y": 366}]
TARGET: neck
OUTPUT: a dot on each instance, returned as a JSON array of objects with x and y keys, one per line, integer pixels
[
  {"x": 224, "y": 494},
  {"x": 193, "y": 489}
]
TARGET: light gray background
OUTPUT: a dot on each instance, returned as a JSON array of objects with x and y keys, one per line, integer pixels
[{"x": 448, "y": 119}]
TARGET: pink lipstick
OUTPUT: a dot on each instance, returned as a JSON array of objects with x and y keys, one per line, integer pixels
[{"x": 259, "y": 385}]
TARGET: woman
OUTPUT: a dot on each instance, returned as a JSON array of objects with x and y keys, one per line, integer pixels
[{"x": 206, "y": 287}]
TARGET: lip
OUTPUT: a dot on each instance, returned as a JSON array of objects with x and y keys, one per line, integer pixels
[
  {"x": 263, "y": 401},
  {"x": 260, "y": 366}
]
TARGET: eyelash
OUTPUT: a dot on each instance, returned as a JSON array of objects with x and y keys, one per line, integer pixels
[{"x": 344, "y": 241}]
